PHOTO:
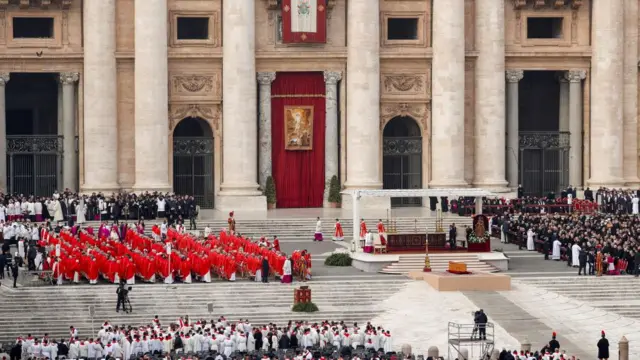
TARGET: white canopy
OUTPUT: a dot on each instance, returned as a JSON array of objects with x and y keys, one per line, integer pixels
[{"x": 391, "y": 193}]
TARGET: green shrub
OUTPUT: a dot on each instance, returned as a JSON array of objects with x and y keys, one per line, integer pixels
[
  {"x": 338, "y": 259},
  {"x": 270, "y": 191},
  {"x": 334, "y": 190},
  {"x": 305, "y": 307}
]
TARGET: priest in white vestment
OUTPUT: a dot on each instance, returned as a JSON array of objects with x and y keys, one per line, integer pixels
[
  {"x": 575, "y": 254},
  {"x": 286, "y": 272},
  {"x": 80, "y": 212},
  {"x": 368, "y": 243},
  {"x": 530, "y": 244},
  {"x": 57, "y": 211},
  {"x": 555, "y": 255},
  {"x": 634, "y": 208},
  {"x": 318, "y": 233}
]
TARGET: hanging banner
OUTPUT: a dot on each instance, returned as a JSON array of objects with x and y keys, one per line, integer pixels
[{"x": 304, "y": 21}]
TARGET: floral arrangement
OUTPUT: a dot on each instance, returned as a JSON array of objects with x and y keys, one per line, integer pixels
[{"x": 474, "y": 239}]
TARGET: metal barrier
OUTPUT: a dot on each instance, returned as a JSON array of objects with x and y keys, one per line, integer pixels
[{"x": 465, "y": 338}]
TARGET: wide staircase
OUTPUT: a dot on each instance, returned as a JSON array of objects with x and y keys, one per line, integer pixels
[
  {"x": 439, "y": 263},
  {"x": 617, "y": 294},
  {"x": 294, "y": 229},
  {"x": 53, "y": 309}
]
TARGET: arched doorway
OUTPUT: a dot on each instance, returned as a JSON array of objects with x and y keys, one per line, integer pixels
[
  {"x": 193, "y": 160},
  {"x": 402, "y": 158}
]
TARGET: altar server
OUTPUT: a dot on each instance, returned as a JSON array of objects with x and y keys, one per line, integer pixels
[{"x": 338, "y": 234}]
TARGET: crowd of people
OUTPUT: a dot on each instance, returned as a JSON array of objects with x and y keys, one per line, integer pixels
[
  {"x": 217, "y": 338},
  {"x": 123, "y": 253},
  {"x": 599, "y": 243}
]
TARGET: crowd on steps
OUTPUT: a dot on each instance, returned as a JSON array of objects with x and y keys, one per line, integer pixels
[
  {"x": 124, "y": 252},
  {"x": 215, "y": 339},
  {"x": 596, "y": 244}
]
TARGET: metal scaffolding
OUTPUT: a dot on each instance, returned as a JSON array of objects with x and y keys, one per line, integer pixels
[{"x": 465, "y": 342}]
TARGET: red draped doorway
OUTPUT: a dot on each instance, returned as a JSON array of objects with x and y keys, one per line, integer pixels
[{"x": 297, "y": 135}]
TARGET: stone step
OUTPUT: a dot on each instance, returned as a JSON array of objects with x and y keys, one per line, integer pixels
[
  {"x": 438, "y": 262},
  {"x": 352, "y": 299}
]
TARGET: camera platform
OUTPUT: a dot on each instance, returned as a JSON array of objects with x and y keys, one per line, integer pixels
[
  {"x": 465, "y": 341},
  {"x": 446, "y": 281}
]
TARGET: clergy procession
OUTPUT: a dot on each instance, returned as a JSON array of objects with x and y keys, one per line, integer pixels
[
  {"x": 297, "y": 339},
  {"x": 170, "y": 255}
]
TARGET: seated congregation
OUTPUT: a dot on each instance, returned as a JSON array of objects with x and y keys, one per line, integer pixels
[{"x": 78, "y": 253}]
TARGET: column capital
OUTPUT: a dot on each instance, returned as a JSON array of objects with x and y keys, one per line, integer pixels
[
  {"x": 4, "y": 78},
  {"x": 332, "y": 77},
  {"x": 266, "y": 78},
  {"x": 575, "y": 75},
  {"x": 68, "y": 78},
  {"x": 514, "y": 76}
]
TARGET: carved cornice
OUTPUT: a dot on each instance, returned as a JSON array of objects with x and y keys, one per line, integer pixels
[
  {"x": 266, "y": 78},
  {"x": 575, "y": 75},
  {"x": 403, "y": 83},
  {"x": 4, "y": 78},
  {"x": 69, "y": 78},
  {"x": 193, "y": 83},
  {"x": 514, "y": 76},
  {"x": 208, "y": 112},
  {"x": 332, "y": 77},
  {"x": 43, "y": 4},
  {"x": 540, "y": 4},
  {"x": 418, "y": 111}
]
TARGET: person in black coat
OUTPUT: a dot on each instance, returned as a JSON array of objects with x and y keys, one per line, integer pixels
[
  {"x": 553, "y": 343},
  {"x": 16, "y": 351},
  {"x": 283, "y": 343},
  {"x": 265, "y": 270},
  {"x": 3, "y": 263},
  {"x": 582, "y": 258},
  {"x": 257, "y": 336},
  {"x": 603, "y": 348}
]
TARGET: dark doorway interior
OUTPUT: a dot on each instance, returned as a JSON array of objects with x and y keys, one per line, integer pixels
[
  {"x": 34, "y": 149},
  {"x": 544, "y": 151},
  {"x": 193, "y": 160},
  {"x": 402, "y": 158}
]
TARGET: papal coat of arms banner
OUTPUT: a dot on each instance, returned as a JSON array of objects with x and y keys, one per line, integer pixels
[
  {"x": 304, "y": 21},
  {"x": 298, "y": 129}
]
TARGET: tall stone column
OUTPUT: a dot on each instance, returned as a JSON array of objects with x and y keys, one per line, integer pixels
[
  {"x": 363, "y": 99},
  {"x": 630, "y": 110},
  {"x": 4, "y": 79},
  {"x": 152, "y": 96},
  {"x": 239, "y": 188},
  {"x": 575, "y": 78},
  {"x": 99, "y": 79},
  {"x": 447, "y": 73},
  {"x": 607, "y": 53},
  {"x": 69, "y": 155},
  {"x": 264, "y": 80},
  {"x": 513, "y": 140},
  {"x": 332, "y": 133},
  {"x": 490, "y": 97},
  {"x": 563, "y": 126}
]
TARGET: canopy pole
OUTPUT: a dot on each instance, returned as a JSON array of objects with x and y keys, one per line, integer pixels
[{"x": 355, "y": 203}]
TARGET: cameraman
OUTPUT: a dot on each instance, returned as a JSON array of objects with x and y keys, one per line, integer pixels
[
  {"x": 122, "y": 295},
  {"x": 480, "y": 320}
]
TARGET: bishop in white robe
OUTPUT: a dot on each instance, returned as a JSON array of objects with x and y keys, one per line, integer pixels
[
  {"x": 530, "y": 244},
  {"x": 575, "y": 254},
  {"x": 555, "y": 255}
]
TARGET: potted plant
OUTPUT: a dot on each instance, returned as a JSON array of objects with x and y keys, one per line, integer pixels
[
  {"x": 270, "y": 193},
  {"x": 335, "y": 197}
]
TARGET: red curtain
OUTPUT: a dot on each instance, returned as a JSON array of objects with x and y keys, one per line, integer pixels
[{"x": 299, "y": 174}]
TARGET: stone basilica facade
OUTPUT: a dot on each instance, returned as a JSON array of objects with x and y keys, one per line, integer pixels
[{"x": 185, "y": 96}]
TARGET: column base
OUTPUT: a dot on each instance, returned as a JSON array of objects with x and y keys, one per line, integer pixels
[
  {"x": 362, "y": 185},
  {"x": 101, "y": 188},
  {"x": 239, "y": 202},
  {"x": 367, "y": 203},
  {"x": 608, "y": 183},
  {"x": 632, "y": 182},
  {"x": 247, "y": 189},
  {"x": 497, "y": 186},
  {"x": 163, "y": 188},
  {"x": 437, "y": 184}
]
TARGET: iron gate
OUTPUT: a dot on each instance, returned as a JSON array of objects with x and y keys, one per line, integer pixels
[
  {"x": 544, "y": 162},
  {"x": 193, "y": 169},
  {"x": 34, "y": 164},
  {"x": 402, "y": 167}
]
